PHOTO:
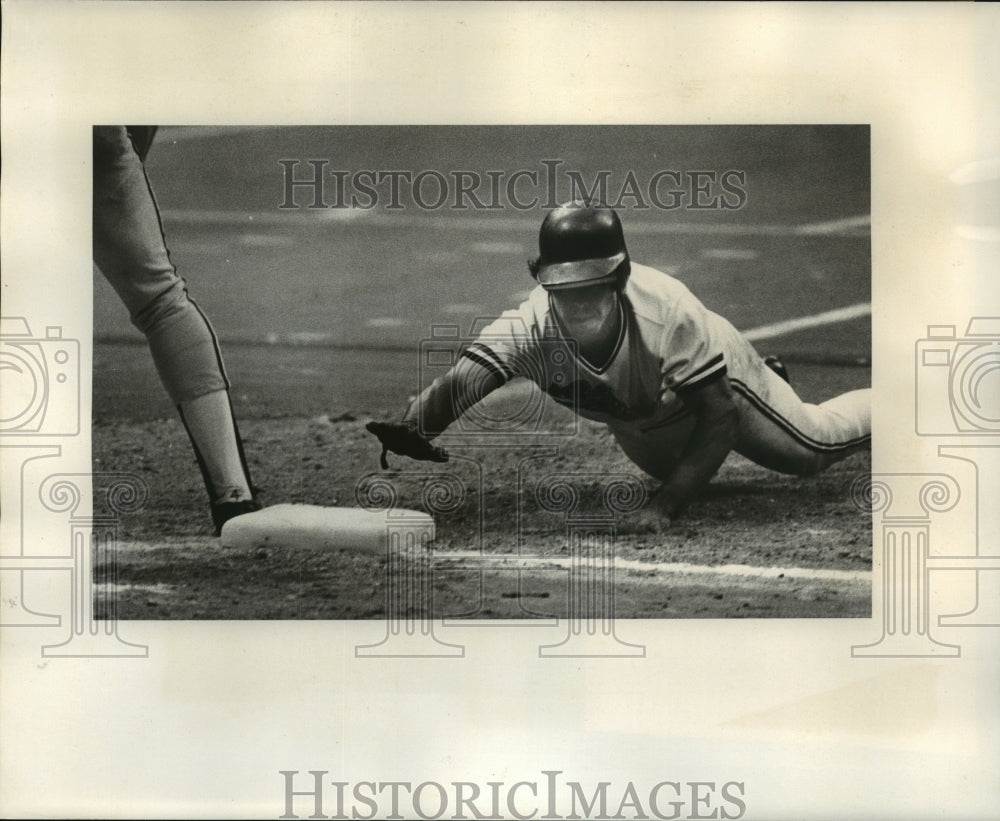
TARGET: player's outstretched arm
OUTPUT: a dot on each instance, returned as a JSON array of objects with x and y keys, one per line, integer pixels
[
  {"x": 447, "y": 398},
  {"x": 451, "y": 395},
  {"x": 714, "y": 436}
]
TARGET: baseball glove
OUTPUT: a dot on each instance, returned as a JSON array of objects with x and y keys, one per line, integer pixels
[{"x": 404, "y": 439}]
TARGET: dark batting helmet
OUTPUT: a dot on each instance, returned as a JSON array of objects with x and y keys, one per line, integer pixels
[{"x": 580, "y": 244}]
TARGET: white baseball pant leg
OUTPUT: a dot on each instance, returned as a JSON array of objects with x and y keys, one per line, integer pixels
[{"x": 130, "y": 251}]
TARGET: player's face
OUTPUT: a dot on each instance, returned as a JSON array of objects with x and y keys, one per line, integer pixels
[{"x": 587, "y": 313}]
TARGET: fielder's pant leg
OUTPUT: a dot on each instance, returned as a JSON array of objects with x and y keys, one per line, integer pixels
[
  {"x": 130, "y": 251},
  {"x": 218, "y": 446},
  {"x": 781, "y": 432}
]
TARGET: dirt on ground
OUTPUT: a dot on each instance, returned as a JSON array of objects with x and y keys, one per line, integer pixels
[{"x": 754, "y": 544}]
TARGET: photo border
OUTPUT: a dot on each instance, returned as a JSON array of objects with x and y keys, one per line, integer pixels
[{"x": 793, "y": 713}]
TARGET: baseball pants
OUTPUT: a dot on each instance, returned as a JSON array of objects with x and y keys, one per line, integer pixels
[
  {"x": 130, "y": 251},
  {"x": 777, "y": 430}
]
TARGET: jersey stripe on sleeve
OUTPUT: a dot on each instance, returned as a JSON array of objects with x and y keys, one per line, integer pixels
[
  {"x": 482, "y": 355},
  {"x": 714, "y": 369}
]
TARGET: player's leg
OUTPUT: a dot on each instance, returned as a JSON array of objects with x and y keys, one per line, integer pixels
[
  {"x": 218, "y": 447},
  {"x": 781, "y": 432},
  {"x": 130, "y": 251}
]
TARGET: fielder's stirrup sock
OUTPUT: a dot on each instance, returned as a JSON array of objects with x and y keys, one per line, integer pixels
[
  {"x": 231, "y": 506},
  {"x": 217, "y": 445},
  {"x": 778, "y": 367}
]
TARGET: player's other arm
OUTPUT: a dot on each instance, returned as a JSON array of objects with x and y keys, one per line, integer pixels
[
  {"x": 451, "y": 395},
  {"x": 714, "y": 436}
]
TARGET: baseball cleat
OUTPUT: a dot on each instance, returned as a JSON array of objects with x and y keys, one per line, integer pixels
[
  {"x": 222, "y": 512},
  {"x": 778, "y": 367}
]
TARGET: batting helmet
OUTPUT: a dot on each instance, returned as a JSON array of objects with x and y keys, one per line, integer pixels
[{"x": 580, "y": 244}]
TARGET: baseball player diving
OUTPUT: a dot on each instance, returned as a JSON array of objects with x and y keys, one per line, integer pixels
[
  {"x": 676, "y": 384},
  {"x": 131, "y": 253}
]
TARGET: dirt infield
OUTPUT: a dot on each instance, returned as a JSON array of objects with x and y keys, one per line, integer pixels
[
  {"x": 321, "y": 313},
  {"x": 756, "y": 544}
]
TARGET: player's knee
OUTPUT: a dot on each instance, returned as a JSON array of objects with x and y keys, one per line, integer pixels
[{"x": 163, "y": 308}]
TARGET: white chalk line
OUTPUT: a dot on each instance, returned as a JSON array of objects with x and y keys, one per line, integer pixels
[
  {"x": 121, "y": 587},
  {"x": 310, "y": 339},
  {"x": 473, "y": 559},
  {"x": 770, "y": 331},
  {"x": 847, "y": 225},
  {"x": 757, "y": 334},
  {"x": 528, "y": 561},
  {"x": 808, "y": 322},
  {"x": 374, "y": 218}
]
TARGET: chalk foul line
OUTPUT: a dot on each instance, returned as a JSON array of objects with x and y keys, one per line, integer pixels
[
  {"x": 477, "y": 560},
  {"x": 526, "y": 561},
  {"x": 807, "y": 322}
]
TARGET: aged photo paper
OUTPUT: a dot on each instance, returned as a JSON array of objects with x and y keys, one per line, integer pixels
[{"x": 148, "y": 670}]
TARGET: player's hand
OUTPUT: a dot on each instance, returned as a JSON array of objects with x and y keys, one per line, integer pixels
[
  {"x": 657, "y": 515},
  {"x": 667, "y": 507},
  {"x": 647, "y": 520},
  {"x": 404, "y": 438}
]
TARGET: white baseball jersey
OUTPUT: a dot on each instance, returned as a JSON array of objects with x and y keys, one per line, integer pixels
[{"x": 670, "y": 343}]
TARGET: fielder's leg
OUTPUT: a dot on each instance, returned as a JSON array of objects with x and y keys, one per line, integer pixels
[{"x": 131, "y": 253}]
